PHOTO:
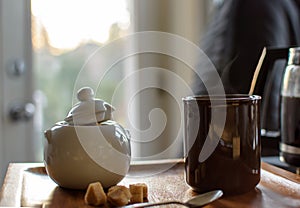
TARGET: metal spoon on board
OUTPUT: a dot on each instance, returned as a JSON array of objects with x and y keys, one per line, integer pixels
[{"x": 197, "y": 201}]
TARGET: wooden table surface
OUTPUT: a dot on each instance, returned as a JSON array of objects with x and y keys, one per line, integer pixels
[{"x": 27, "y": 185}]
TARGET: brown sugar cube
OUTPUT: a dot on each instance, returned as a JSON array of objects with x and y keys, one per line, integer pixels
[
  {"x": 118, "y": 195},
  {"x": 135, "y": 189},
  {"x": 95, "y": 194},
  {"x": 120, "y": 187},
  {"x": 145, "y": 189},
  {"x": 136, "y": 192},
  {"x": 136, "y": 198}
]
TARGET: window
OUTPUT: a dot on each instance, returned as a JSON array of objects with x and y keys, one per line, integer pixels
[{"x": 64, "y": 35}]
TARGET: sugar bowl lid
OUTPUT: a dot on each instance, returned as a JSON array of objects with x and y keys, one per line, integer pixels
[{"x": 89, "y": 111}]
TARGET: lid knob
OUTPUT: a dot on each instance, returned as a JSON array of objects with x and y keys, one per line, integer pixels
[
  {"x": 85, "y": 94},
  {"x": 89, "y": 111}
]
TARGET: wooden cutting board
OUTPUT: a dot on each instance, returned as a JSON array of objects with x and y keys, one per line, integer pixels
[{"x": 27, "y": 184}]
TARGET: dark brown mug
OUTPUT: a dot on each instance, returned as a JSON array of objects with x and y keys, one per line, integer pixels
[{"x": 222, "y": 142}]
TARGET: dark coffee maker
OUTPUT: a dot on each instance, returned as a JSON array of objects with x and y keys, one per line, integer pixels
[{"x": 289, "y": 132}]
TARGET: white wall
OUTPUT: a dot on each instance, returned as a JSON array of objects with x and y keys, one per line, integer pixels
[{"x": 184, "y": 18}]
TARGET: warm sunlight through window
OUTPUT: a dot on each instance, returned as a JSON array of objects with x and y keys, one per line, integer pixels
[
  {"x": 66, "y": 24},
  {"x": 64, "y": 35}
]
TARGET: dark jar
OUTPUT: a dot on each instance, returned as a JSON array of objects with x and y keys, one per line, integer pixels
[{"x": 222, "y": 143}]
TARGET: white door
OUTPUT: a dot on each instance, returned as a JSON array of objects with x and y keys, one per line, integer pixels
[{"x": 18, "y": 142}]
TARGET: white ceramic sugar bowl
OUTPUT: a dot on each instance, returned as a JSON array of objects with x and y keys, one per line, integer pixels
[{"x": 87, "y": 146}]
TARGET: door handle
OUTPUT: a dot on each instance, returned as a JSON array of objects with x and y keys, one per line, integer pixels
[{"x": 22, "y": 111}]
